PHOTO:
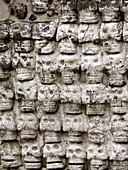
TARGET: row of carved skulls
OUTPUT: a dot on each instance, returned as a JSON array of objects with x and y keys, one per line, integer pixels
[
  {"x": 70, "y": 33},
  {"x": 33, "y": 153},
  {"x": 98, "y": 127}
]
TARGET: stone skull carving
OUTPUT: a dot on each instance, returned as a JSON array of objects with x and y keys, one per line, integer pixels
[
  {"x": 74, "y": 123},
  {"x": 50, "y": 122},
  {"x": 19, "y": 10},
  {"x": 119, "y": 128},
  {"x": 124, "y": 9},
  {"x": 95, "y": 151},
  {"x": 110, "y": 10},
  {"x": 76, "y": 153},
  {"x": 20, "y": 30},
  {"x": 67, "y": 37},
  {"x": 93, "y": 66},
  {"x": 54, "y": 150},
  {"x": 24, "y": 63},
  {"x": 10, "y": 154},
  {"x": 39, "y": 6},
  {"x": 111, "y": 30},
  {"x": 69, "y": 66},
  {"x": 7, "y": 126},
  {"x": 27, "y": 125},
  {"x": 117, "y": 97},
  {"x": 32, "y": 153},
  {"x": 44, "y": 30},
  {"x": 5, "y": 65},
  {"x": 71, "y": 94},
  {"x": 88, "y": 33},
  {"x": 49, "y": 96},
  {"x": 47, "y": 68},
  {"x": 112, "y": 46},
  {"x": 87, "y": 11},
  {"x": 118, "y": 152},
  {"x": 4, "y": 31},
  {"x": 6, "y": 95},
  {"x": 97, "y": 126},
  {"x": 23, "y": 46},
  {"x": 94, "y": 93},
  {"x": 44, "y": 46},
  {"x": 67, "y": 11},
  {"x": 115, "y": 66}
]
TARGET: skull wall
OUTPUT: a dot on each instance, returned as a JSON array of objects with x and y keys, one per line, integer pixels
[{"x": 64, "y": 85}]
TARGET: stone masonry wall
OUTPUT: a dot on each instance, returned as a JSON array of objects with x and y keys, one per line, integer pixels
[{"x": 64, "y": 84}]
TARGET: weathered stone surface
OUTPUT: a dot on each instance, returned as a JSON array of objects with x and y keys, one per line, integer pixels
[{"x": 63, "y": 84}]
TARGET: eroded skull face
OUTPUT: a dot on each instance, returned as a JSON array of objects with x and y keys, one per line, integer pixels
[
  {"x": 50, "y": 122},
  {"x": 71, "y": 93},
  {"x": 87, "y": 11},
  {"x": 97, "y": 127},
  {"x": 7, "y": 126},
  {"x": 49, "y": 95},
  {"x": 27, "y": 125},
  {"x": 67, "y": 37},
  {"x": 54, "y": 150},
  {"x": 97, "y": 164},
  {"x": 44, "y": 30},
  {"x": 75, "y": 153},
  {"x": 94, "y": 93},
  {"x": 118, "y": 152},
  {"x": 110, "y": 10},
  {"x": 119, "y": 127},
  {"x": 47, "y": 69},
  {"x": 112, "y": 46},
  {"x": 117, "y": 97},
  {"x": 44, "y": 46},
  {"x": 39, "y": 6},
  {"x": 74, "y": 123},
  {"x": 24, "y": 46},
  {"x": 69, "y": 67},
  {"x": 32, "y": 153},
  {"x": 4, "y": 31},
  {"x": 24, "y": 64},
  {"x": 6, "y": 95},
  {"x": 97, "y": 152},
  {"x": 88, "y": 32},
  {"x": 5, "y": 65},
  {"x": 10, "y": 154},
  {"x": 67, "y": 11},
  {"x": 20, "y": 30},
  {"x": 111, "y": 30},
  {"x": 26, "y": 91}
]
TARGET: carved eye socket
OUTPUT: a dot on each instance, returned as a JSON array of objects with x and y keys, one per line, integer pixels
[
  {"x": 86, "y": 61},
  {"x": 24, "y": 58},
  {"x": 100, "y": 151},
  {"x": 0, "y": 119},
  {"x": 48, "y": 63},
  {"x": 52, "y": 121},
  {"x": 76, "y": 121},
  {"x": 62, "y": 62},
  {"x": 68, "y": 121},
  {"x": 82, "y": 31},
  {"x": 48, "y": 147},
  {"x": 78, "y": 151},
  {"x": 95, "y": 60},
  {"x": 25, "y": 147},
  {"x": 46, "y": 120},
  {"x": 56, "y": 146},
  {"x": 71, "y": 62},
  {"x": 51, "y": 91},
  {"x": 34, "y": 148},
  {"x": 8, "y": 119},
  {"x": 90, "y": 150},
  {"x": 123, "y": 151},
  {"x": 70, "y": 151},
  {"x": 31, "y": 57},
  {"x": 74, "y": 91}
]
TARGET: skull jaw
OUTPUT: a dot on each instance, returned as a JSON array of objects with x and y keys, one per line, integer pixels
[
  {"x": 28, "y": 134},
  {"x": 25, "y": 74},
  {"x": 76, "y": 160},
  {"x": 98, "y": 109},
  {"x": 69, "y": 77},
  {"x": 48, "y": 78},
  {"x": 10, "y": 161},
  {"x": 118, "y": 165},
  {"x": 27, "y": 106},
  {"x": 88, "y": 16},
  {"x": 6, "y": 105},
  {"x": 55, "y": 163},
  {"x": 118, "y": 80},
  {"x": 7, "y": 135},
  {"x": 68, "y": 17},
  {"x": 119, "y": 109},
  {"x": 111, "y": 16},
  {"x": 96, "y": 138},
  {"x": 32, "y": 162},
  {"x": 98, "y": 164},
  {"x": 50, "y": 106},
  {"x": 40, "y": 8},
  {"x": 121, "y": 137},
  {"x": 67, "y": 48},
  {"x": 4, "y": 75},
  {"x": 75, "y": 137},
  {"x": 72, "y": 108}
]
